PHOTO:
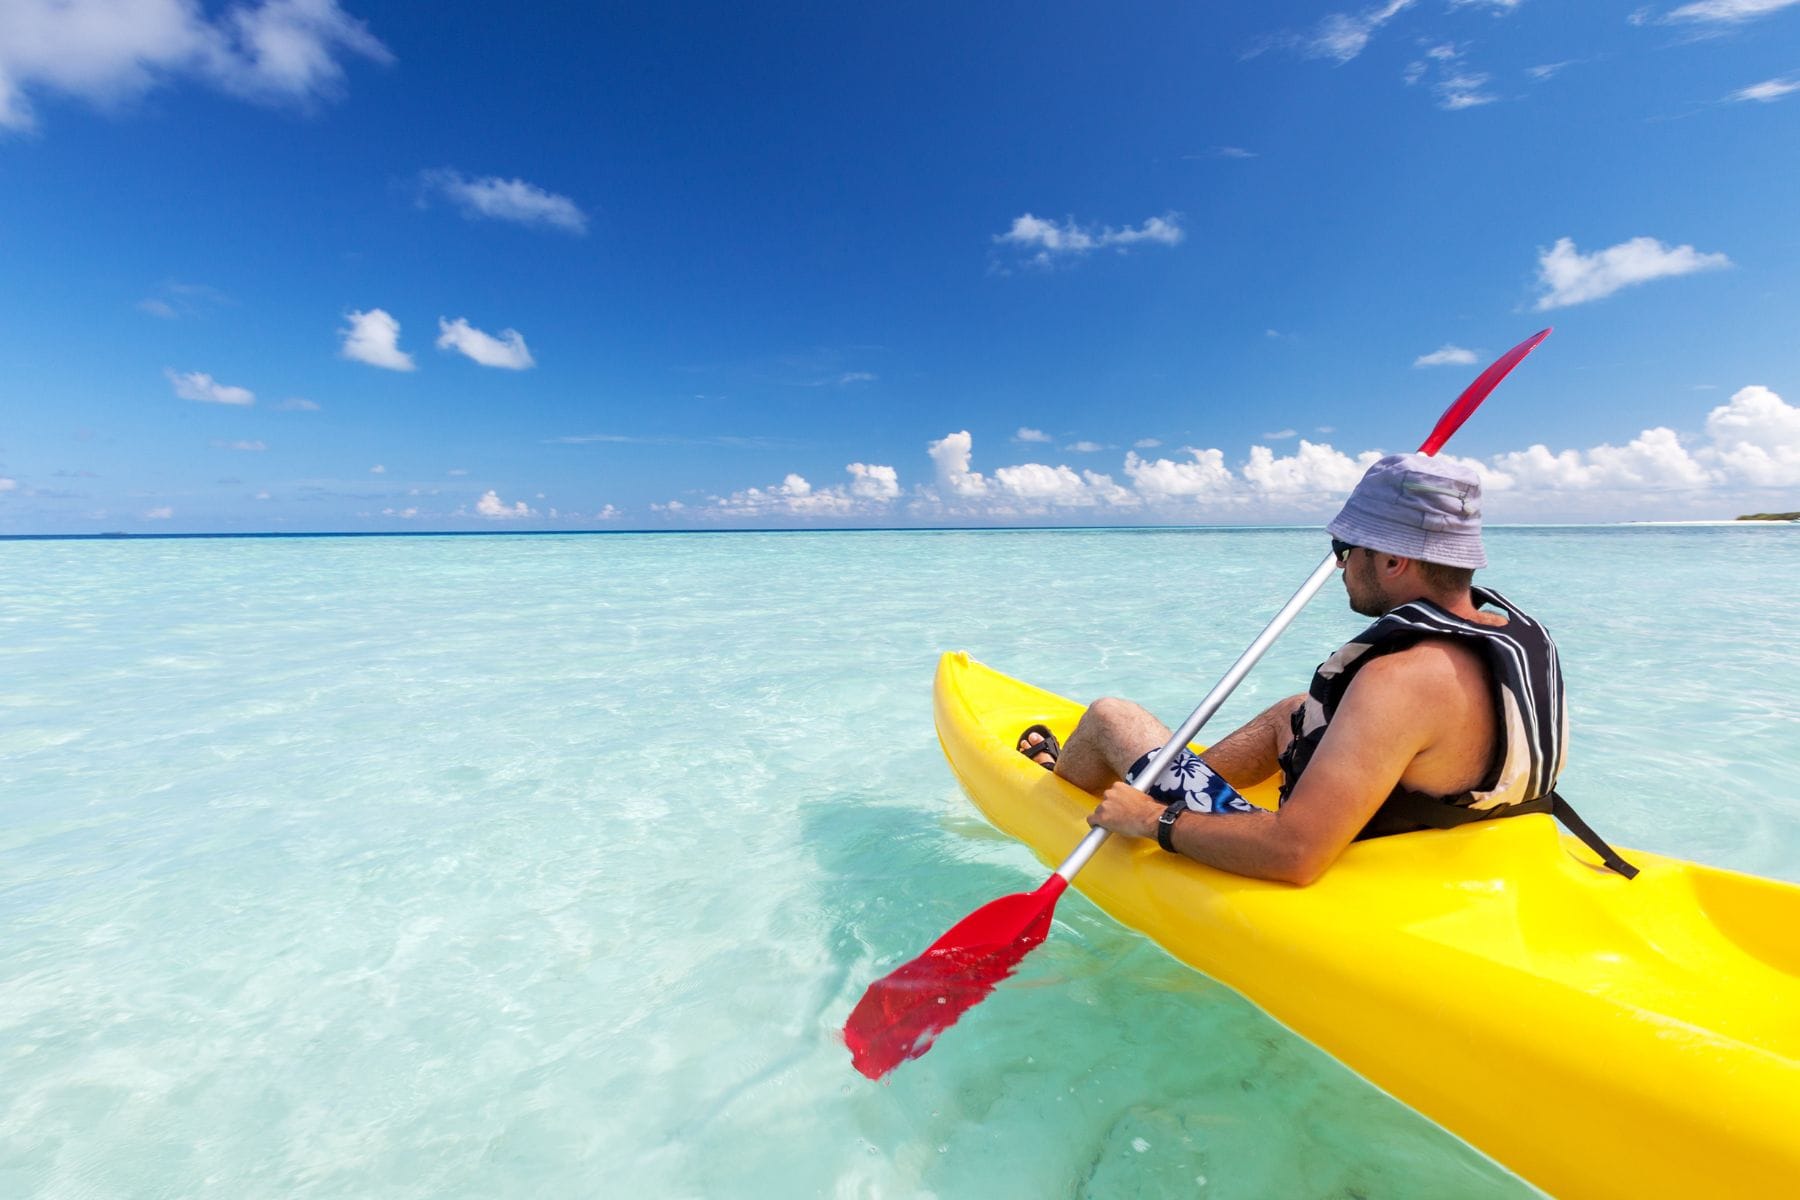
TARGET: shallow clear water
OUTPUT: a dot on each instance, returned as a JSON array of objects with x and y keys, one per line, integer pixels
[{"x": 519, "y": 866}]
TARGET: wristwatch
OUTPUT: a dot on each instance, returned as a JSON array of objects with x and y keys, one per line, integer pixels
[{"x": 1165, "y": 825}]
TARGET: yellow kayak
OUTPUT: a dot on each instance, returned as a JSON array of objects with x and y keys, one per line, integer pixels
[{"x": 1597, "y": 1035}]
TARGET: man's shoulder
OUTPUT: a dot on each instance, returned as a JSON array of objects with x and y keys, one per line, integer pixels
[{"x": 1432, "y": 665}]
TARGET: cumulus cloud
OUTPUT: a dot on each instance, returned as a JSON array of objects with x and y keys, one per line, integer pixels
[
  {"x": 1313, "y": 470},
  {"x": 1163, "y": 478},
  {"x": 1748, "y": 456},
  {"x": 508, "y": 351},
  {"x": 1084, "y": 447},
  {"x": 873, "y": 482},
  {"x": 493, "y": 198},
  {"x": 1044, "y": 242},
  {"x": 1756, "y": 439},
  {"x": 201, "y": 387},
  {"x": 1027, "y": 434},
  {"x": 1726, "y": 12},
  {"x": 1147, "y": 443},
  {"x": 493, "y": 507},
  {"x": 950, "y": 455},
  {"x": 1446, "y": 355},
  {"x": 871, "y": 491},
  {"x": 280, "y": 52},
  {"x": 1767, "y": 91},
  {"x": 373, "y": 337},
  {"x": 1568, "y": 277}
]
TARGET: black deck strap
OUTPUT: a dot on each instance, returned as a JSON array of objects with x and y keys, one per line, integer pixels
[{"x": 1565, "y": 812}]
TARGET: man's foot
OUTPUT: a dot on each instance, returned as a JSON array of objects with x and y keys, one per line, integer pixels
[{"x": 1040, "y": 746}]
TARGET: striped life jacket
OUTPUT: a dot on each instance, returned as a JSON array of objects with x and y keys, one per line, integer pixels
[{"x": 1528, "y": 696}]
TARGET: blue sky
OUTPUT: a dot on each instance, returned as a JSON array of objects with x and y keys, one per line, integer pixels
[{"x": 316, "y": 265}]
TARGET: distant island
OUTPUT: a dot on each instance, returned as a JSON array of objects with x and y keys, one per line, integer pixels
[{"x": 1793, "y": 516}]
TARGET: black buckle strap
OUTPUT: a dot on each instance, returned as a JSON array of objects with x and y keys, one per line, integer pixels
[{"x": 1565, "y": 812}]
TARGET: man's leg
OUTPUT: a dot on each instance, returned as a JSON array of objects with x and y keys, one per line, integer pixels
[
  {"x": 1251, "y": 753},
  {"x": 1111, "y": 735}
]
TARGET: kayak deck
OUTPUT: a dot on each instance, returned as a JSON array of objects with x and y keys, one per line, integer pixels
[{"x": 1599, "y": 1036}]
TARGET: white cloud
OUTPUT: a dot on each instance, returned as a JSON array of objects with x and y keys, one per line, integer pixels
[
  {"x": 198, "y": 385},
  {"x": 158, "y": 308},
  {"x": 8, "y": 485},
  {"x": 373, "y": 337},
  {"x": 1036, "y": 481},
  {"x": 297, "y": 404},
  {"x": 1500, "y": 7},
  {"x": 1161, "y": 479},
  {"x": 1233, "y": 152},
  {"x": 492, "y": 506},
  {"x": 1727, "y": 12},
  {"x": 1343, "y": 36},
  {"x": 950, "y": 454},
  {"x": 873, "y": 482},
  {"x": 1281, "y": 435},
  {"x": 1314, "y": 471},
  {"x": 1446, "y": 355},
  {"x": 1756, "y": 439},
  {"x": 1768, "y": 91},
  {"x": 285, "y": 52},
  {"x": 507, "y": 200},
  {"x": 1747, "y": 458},
  {"x": 1568, "y": 277},
  {"x": 1052, "y": 241},
  {"x": 1147, "y": 443},
  {"x": 378, "y": 469},
  {"x": 457, "y": 471},
  {"x": 1456, "y": 86},
  {"x": 1084, "y": 447},
  {"x": 159, "y": 514},
  {"x": 241, "y": 445},
  {"x": 1027, "y": 434},
  {"x": 609, "y": 513},
  {"x": 507, "y": 351},
  {"x": 405, "y": 514}
]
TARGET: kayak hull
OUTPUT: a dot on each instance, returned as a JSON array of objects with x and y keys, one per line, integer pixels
[{"x": 1599, "y": 1036}]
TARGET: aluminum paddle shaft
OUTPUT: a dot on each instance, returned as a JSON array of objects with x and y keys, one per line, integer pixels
[{"x": 1215, "y": 699}]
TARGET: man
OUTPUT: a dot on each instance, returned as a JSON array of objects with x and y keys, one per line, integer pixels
[{"x": 1449, "y": 708}]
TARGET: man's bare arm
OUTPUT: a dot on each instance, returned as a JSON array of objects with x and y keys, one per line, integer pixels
[{"x": 1389, "y": 715}]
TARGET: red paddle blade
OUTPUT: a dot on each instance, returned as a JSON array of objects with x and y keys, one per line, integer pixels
[
  {"x": 903, "y": 1012},
  {"x": 1476, "y": 392}
]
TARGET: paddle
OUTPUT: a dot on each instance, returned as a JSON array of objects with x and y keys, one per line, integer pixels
[{"x": 903, "y": 1012}]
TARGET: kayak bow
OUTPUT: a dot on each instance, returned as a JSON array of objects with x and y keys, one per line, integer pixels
[{"x": 1601, "y": 1037}]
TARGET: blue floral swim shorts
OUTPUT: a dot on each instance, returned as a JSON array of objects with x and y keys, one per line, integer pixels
[{"x": 1190, "y": 781}]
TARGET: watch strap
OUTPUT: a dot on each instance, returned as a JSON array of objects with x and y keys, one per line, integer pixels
[{"x": 1165, "y": 825}]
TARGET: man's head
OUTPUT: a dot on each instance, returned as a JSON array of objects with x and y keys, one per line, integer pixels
[{"x": 1417, "y": 508}]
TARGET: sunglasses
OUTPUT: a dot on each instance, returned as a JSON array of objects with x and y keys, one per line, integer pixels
[{"x": 1340, "y": 550}]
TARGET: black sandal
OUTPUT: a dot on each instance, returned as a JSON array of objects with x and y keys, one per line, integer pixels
[{"x": 1048, "y": 746}]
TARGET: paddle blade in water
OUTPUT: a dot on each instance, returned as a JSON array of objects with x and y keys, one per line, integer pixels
[{"x": 903, "y": 1012}]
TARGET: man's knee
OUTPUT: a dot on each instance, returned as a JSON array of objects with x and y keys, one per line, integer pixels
[{"x": 1114, "y": 714}]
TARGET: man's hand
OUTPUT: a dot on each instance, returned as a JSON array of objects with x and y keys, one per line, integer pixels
[{"x": 1124, "y": 809}]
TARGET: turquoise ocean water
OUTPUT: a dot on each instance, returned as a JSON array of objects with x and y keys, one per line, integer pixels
[{"x": 525, "y": 866}]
